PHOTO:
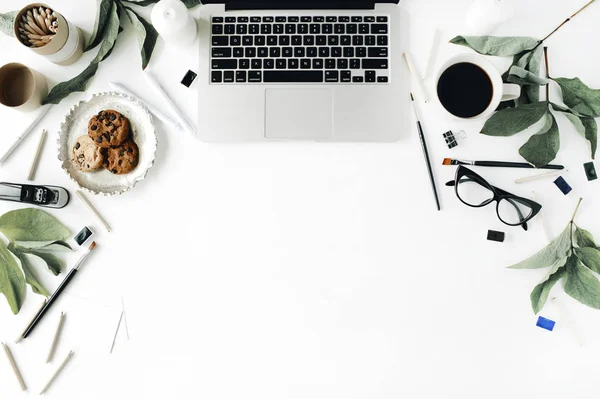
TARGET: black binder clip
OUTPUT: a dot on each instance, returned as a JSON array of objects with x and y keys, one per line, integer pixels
[{"x": 452, "y": 139}]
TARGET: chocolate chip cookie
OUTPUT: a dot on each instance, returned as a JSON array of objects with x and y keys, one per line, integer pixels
[
  {"x": 108, "y": 129},
  {"x": 86, "y": 156},
  {"x": 122, "y": 159}
]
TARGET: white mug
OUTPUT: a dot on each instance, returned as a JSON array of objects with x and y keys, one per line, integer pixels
[{"x": 500, "y": 91}]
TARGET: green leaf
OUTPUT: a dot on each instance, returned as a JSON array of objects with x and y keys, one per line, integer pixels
[
  {"x": 79, "y": 82},
  {"x": 581, "y": 284},
  {"x": 533, "y": 66},
  {"x": 142, "y": 3},
  {"x": 511, "y": 121},
  {"x": 542, "y": 147},
  {"x": 521, "y": 76},
  {"x": 191, "y": 3},
  {"x": 30, "y": 276},
  {"x": 540, "y": 293},
  {"x": 100, "y": 24},
  {"x": 32, "y": 224},
  {"x": 584, "y": 238},
  {"x": 590, "y": 257},
  {"x": 59, "y": 246},
  {"x": 52, "y": 262},
  {"x": 111, "y": 32},
  {"x": 579, "y": 97},
  {"x": 146, "y": 35},
  {"x": 7, "y": 23},
  {"x": 500, "y": 46},
  {"x": 591, "y": 133},
  {"x": 12, "y": 281},
  {"x": 550, "y": 254}
]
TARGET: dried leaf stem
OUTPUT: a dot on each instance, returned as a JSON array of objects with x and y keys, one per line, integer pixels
[
  {"x": 547, "y": 73},
  {"x": 568, "y": 19}
]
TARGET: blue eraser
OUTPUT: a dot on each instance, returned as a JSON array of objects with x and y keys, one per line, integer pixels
[
  {"x": 563, "y": 185},
  {"x": 545, "y": 323}
]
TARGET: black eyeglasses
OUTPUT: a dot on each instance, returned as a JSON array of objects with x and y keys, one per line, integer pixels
[{"x": 473, "y": 190}]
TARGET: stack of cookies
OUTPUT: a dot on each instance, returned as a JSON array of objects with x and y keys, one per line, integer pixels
[{"x": 108, "y": 144}]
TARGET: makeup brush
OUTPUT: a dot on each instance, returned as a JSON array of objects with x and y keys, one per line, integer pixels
[
  {"x": 498, "y": 164},
  {"x": 58, "y": 291}
]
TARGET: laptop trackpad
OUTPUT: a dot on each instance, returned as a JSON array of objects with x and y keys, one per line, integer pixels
[{"x": 299, "y": 113}]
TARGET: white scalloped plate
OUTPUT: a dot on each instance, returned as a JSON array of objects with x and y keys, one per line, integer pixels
[{"x": 76, "y": 124}]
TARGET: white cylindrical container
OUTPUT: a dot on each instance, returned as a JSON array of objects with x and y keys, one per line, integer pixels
[
  {"x": 174, "y": 23},
  {"x": 64, "y": 47}
]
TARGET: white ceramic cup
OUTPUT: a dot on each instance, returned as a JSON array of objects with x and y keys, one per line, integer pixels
[
  {"x": 21, "y": 88},
  {"x": 500, "y": 91}
]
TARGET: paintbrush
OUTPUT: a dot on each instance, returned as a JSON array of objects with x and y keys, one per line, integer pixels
[
  {"x": 498, "y": 164},
  {"x": 57, "y": 293}
]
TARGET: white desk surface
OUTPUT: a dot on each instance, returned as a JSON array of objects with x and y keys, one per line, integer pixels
[{"x": 303, "y": 270}]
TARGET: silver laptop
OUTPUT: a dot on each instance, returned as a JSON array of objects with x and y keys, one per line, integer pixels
[{"x": 318, "y": 70}]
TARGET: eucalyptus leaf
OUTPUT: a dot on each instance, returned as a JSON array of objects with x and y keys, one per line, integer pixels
[
  {"x": 542, "y": 147},
  {"x": 142, "y": 3},
  {"x": 146, "y": 35},
  {"x": 30, "y": 276},
  {"x": 590, "y": 257},
  {"x": 540, "y": 293},
  {"x": 7, "y": 23},
  {"x": 580, "y": 97},
  {"x": 100, "y": 24},
  {"x": 591, "y": 134},
  {"x": 533, "y": 66},
  {"x": 191, "y": 3},
  {"x": 550, "y": 254},
  {"x": 581, "y": 284},
  {"x": 583, "y": 238},
  {"x": 31, "y": 224},
  {"x": 522, "y": 76},
  {"x": 500, "y": 46},
  {"x": 12, "y": 281},
  {"x": 510, "y": 121},
  {"x": 111, "y": 32},
  {"x": 79, "y": 82},
  {"x": 56, "y": 246}
]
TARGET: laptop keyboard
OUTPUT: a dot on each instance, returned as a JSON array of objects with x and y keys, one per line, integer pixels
[{"x": 302, "y": 49}]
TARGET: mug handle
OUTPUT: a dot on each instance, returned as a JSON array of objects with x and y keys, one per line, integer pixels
[{"x": 510, "y": 91}]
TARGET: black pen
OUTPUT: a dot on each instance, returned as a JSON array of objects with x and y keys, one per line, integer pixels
[
  {"x": 56, "y": 293},
  {"x": 425, "y": 152}
]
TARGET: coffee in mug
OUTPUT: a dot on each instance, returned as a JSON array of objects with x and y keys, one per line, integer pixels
[
  {"x": 469, "y": 86},
  {"x": 21, "y": 87}
]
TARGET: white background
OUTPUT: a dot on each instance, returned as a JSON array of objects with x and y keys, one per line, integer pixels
[{"x": 297, "y": 270}]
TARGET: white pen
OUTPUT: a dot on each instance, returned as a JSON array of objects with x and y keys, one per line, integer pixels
[
  {"x": 183, "y": 121},
  {"x": 155, "y": 111},
  {"x": 25, "y": 133},
  {"x": 417, "y": 79}
]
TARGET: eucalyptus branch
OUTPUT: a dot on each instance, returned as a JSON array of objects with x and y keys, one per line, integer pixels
[
  {"x": 576, "y": 209},
  {"x": 547, "y": 73},
  {"x": 568, "y": 19}
]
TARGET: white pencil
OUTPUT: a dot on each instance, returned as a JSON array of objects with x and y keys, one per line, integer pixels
[
  {"x": 539, "y": 176},
  {"x": 93, "y": 210},
  {"x": 57, "y": 372},
  {"x": 25, "y": 133},
  {"x": 416, "y": 78},
  {"x": 433, "y": 50},
  {"x": 36, "y": 158},
  {"x": 14, "y": 367},
  {"x": 155, "y": 111},
  {"x": 183, "y": 121},
  {"x": 61, "y": 321}
]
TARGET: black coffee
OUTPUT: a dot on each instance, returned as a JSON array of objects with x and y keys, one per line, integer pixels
[{"x": 465, "y": 90}]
